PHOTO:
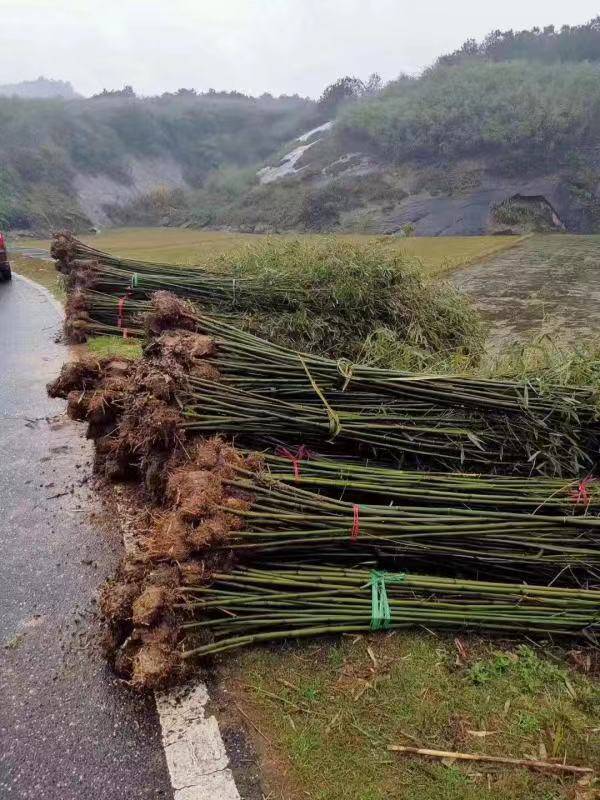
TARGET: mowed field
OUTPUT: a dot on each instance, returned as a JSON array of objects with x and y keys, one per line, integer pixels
[
  {"x": 549, "y": 285},
  {"x": 191, "y": 247}
]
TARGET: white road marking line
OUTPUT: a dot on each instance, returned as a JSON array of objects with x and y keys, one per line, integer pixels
[{"x": 194, "y": 749}]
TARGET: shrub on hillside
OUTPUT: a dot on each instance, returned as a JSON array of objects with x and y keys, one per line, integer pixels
[{"x": 513, "y": 109}]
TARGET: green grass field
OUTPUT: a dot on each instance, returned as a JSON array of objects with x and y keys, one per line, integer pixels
[
  {"x": 186, "y": 246},
  {"x": 40, "y": 271},
  {"x": 327, "y": 711}
]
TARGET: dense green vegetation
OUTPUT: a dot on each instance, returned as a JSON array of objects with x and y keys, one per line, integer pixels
[
  {"x": 405, "y": 320},
  {"x": 538, "y": 114},
  {"x": 570, "y": 43},
  {"x": 46, "y": 142},
  {"x": 523, "y": 113}
]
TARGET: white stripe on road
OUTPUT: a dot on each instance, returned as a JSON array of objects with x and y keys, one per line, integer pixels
[{"x": 194, "y": 748}]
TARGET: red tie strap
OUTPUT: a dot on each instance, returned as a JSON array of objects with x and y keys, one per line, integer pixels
[
  {"x": 355, "y": 532},
  {"x": 295, "y": 458},
  {"x": 121, "y": 309},
  {"x": 581, "y": 494}
]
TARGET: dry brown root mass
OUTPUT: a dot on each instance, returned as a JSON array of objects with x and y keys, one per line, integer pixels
[{"x": 167, "y": 312}]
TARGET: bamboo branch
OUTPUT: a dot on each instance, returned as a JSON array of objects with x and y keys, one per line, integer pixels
[{"x": 517, "y": 762}]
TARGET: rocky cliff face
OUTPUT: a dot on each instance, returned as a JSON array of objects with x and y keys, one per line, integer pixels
[
  {"x": 97, "y": 192},
  {"x": 464, "y": 199}
]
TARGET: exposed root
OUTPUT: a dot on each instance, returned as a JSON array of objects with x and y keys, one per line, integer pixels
[
  {"x": 168, "y": 312},
  {"x": 169, "y": 538},
  {"x": 62, "y": 250},
  {"x": 150, "y": 605},
  {"x": 210, "y": 533},
  {"x": 195, "y": 493},
  {"x": 153, "y": 666},
  {"x": 116, "y": 600},
  {"x": 76, "y": 375}
]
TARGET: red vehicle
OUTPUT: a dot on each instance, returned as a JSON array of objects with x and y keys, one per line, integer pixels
[{"x": 5, "y": 274}]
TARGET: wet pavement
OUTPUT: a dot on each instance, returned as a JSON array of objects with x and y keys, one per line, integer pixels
[
  {"x": 549, "y": 284},
  {"x": 68, "y": 729}
]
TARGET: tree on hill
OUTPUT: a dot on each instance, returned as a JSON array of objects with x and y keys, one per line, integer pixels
[
  {"x": 126, "y": 91},
  {"x": 347, "y": 89},
  {"x": 570, "y": 43}
]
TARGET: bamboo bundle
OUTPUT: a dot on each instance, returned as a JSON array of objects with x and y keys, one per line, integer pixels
[
  {"x": 332, "y": 297},
  {"x": 108, "y": 274},
  {"x": 416, "y": 432},
  {"x": 247, "y": 606},
  {"x": 233, "y": 382},
  {"x": 286, "y": 521},
  {"x": 552, "y": 429},
  {"x": 536, "y": 495},
  {"x": 254, "y": 364}
]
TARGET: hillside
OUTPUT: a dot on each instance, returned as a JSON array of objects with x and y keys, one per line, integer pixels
[
  {"x": 500, "y": 136},
  {"x": 62, "y": 163},
  {"x": 469, "y": 148}
]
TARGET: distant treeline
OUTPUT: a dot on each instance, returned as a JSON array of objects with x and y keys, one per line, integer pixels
[{"x": 570, "y": 43}]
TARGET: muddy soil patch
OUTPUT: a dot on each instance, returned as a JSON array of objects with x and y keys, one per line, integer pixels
[{"x": 550, "y": 284}]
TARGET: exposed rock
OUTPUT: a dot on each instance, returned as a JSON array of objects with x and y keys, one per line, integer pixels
[{"x": 146, "y": 175}]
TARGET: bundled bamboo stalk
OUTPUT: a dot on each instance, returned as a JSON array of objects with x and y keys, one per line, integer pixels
[
  {"x": 553, "y": 430},
  {"x": 285, "y": 521},
  {"x": 411, "y": 432},
  {"x": 296, "y": 600},
  {"x": 93, "y": 269},
  {"x": 234, "y": 382},
  {"x": 353, "y": 479}
]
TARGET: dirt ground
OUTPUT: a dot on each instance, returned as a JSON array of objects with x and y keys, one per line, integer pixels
[{"x": 549, "y": 284}]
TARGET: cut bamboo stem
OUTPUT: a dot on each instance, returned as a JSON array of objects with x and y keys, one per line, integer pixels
[{"x": 517, "y": 762}]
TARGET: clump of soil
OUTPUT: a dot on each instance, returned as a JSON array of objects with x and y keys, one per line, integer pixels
[
  {"x": 77, "y": 317},
  {"x": 76, "y": 375},
  {"x": 195, "y": 493},
  {"x": 117, "y": 599},
  {"x": 169, "y": 312},
  {"x": 187, "y": 351},
  {"x": 130, "y": 410},
  {"x": 134, "y": 419},
  {"x": 149, "y": 606},
  {"x": 182, "y": 544}
]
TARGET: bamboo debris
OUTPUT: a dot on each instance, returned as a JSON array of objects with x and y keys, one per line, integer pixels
[{"x": 551, "y": 766}]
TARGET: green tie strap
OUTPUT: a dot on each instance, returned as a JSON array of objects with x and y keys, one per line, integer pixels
[
  {"x": 381, "y": 614},
  {"x": 134, "y": 280}
]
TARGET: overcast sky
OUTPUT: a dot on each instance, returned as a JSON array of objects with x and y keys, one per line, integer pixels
[{"x": 280, "y": 46}]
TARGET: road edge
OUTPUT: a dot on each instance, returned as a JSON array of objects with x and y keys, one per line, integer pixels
[
  {"x": 194, "y": 749},
  {"x": 58, "y": 307}
]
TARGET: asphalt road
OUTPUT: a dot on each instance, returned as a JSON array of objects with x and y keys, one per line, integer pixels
[{"x": 68, "y": 729}]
